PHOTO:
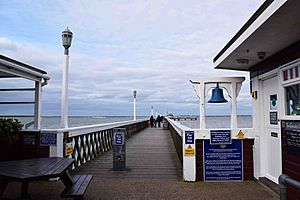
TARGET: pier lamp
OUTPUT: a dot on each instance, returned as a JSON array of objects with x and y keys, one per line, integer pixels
[
  {"x": 67, "y": 36},
  {"x": 134, "y": 104}
]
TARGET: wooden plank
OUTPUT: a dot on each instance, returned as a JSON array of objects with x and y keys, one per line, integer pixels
[
  {"x": 150, "y": 154},
  {"x": 81, "y": 183},
  {"x": 84, "y": 184}
]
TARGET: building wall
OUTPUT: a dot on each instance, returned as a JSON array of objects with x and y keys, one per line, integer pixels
[{"x": 284, "y": 60}]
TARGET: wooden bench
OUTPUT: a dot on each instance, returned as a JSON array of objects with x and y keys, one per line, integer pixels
[{"x": 81, "y": 182}]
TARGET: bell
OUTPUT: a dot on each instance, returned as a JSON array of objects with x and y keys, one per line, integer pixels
[{"x": 217, "y": 96}]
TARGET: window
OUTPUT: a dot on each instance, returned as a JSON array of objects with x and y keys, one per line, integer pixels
[{"x": 293, "y": 99}]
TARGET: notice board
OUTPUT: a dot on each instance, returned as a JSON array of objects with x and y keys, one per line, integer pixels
[
  {"x": 223, "y": 162},
  {"x": 291, "y": 136}
]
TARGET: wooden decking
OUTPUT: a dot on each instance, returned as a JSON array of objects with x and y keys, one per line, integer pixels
[{"x": 150, "y": 155}]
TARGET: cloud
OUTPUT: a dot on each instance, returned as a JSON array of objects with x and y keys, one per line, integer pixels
[{"x": 155, "y": 47}]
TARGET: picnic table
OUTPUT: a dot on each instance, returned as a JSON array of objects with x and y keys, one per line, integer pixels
[{"x": 25, "y": 171}]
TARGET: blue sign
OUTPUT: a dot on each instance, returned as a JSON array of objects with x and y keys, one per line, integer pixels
[
  {"x": 48, "y": 139},
  {"x": 189, "y": 137},
  {"x": 119, "y": 138},
  {"x": 220, "y": 137},
  {"x": 223, "y": 162}
]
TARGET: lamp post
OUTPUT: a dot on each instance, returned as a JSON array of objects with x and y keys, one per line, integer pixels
[
  {"x": 134, "y": 105},
  {"x": 151, "y": 110},
  {"x": 67, "y": 36}
]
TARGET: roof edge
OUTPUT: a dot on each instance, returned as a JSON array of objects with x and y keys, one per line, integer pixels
[
  {"x": 2, "y": 57},
  {"x": 252, "y": 19}
]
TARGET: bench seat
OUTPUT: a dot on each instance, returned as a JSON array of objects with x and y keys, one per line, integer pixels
[{"x": 77, "y": 191}]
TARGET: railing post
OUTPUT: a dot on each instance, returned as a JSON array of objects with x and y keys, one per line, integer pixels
[{"x": 189, "y": 158}]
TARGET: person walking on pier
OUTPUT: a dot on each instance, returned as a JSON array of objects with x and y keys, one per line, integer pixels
[
  {"x": 151, "y": 121},
  {"x": 158, "y": 120}
]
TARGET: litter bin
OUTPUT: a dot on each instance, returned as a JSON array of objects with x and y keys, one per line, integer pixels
[{"x": 119, "y": 151}]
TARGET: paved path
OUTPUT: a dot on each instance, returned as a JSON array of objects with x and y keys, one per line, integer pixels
[{"x": 154, "y": 172}]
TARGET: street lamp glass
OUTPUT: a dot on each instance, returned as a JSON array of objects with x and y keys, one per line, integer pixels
[{"x": 67, "y": 36}]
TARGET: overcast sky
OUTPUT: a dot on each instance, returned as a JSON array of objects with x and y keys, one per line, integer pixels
[{"x": 154, "y": 46}]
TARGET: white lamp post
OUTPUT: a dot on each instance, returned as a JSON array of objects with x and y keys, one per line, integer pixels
[
  {"x": 151, "y": 110},
  {"x": 134, "y": 105},
  {"x": 67, "y": 36}
]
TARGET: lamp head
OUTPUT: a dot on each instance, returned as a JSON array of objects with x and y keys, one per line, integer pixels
[{"x": 67, "y": 36}]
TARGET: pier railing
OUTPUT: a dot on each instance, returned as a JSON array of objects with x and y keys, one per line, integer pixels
[
  {"x": 88, "y": 142},
  {"x": 177, "y": 130}
]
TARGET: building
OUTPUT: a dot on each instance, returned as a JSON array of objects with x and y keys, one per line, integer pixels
[
  {"x": 15, "y": 70},
  {"x": 268, "y": 46}
]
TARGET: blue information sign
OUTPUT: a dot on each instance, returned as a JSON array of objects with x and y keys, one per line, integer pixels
[
  {"x": 189, "y": 137},
  {"x": 48, "y": 139},
  {"x": 223, "y": 162},
  {"x": 220, "y": 137},
  {"x": 119, "y": 138}
]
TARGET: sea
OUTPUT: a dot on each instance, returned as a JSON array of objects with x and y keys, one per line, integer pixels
[
  {"x": 53, "y": 122},
  {"x": 243, "y": 121}
]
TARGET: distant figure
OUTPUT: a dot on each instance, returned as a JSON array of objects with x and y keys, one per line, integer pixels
[
  {"x": 158, "y": 120},
  {"x": 151, "y": 121}
]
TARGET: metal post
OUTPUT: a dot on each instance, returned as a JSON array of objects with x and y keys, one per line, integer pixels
[
  {"x": 64, "y": 93},
  {"x": 284, "y": 181},
  {"x": 134, "y": 109},
  {"x": 134, "y": 105},
  {"x": 282, "y": 185},
  {"x": 37, "y": 105},
  {"x": 67, "y": 36}
]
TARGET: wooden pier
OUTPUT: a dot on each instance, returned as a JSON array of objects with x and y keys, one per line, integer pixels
[{"x": 150, "y": 155}]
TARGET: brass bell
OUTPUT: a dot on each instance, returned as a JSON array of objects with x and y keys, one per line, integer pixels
[{"x": 217, "y": 96}]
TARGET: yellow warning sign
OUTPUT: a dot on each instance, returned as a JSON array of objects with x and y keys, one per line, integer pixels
[
  {"x": 189, "y": 151},
  {"x": 240, "y": 135},
  {"x": 69, "y": 149}
]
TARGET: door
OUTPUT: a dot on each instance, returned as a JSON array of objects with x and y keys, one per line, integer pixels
[{"x": 271, "y": 133}]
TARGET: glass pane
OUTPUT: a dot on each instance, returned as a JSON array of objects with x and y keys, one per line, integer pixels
[{"x": 293, "y": 100}]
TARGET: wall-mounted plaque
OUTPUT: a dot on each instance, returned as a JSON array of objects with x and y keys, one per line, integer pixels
[
  {"x": 218, "y": 137},
  {"x": 48, "y": 138},
  {"x": 273, "y": 118}
]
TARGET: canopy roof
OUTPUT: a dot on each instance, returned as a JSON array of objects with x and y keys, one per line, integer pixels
[
  {"x": 273, "y": 27},
  {"x": 10, "y": 68}
]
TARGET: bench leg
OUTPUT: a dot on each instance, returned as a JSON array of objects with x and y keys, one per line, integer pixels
[
  {"x": 3, "y": 185},
  {"x": 24, "y": 191},
  {"x": 67, "y": 179}
]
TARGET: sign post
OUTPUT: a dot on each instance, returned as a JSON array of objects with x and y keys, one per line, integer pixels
[{"x": 189, "y": 156}]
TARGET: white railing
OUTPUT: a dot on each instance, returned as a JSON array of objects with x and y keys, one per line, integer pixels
[{"x": 88, "y": 142}]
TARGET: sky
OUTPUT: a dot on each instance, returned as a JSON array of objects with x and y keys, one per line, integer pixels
[{"x": 154, "y": 47}]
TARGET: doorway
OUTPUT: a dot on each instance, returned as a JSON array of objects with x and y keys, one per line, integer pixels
[{"x": 271, "y": 130}]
